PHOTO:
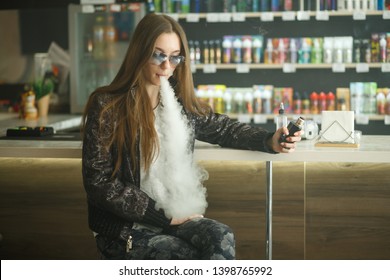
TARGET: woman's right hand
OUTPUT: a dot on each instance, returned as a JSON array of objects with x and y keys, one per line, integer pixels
[
  {"x": 284, "y": 147},
  {"x": 179, "y": 221}
]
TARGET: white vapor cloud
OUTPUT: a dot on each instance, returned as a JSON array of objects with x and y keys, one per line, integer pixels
[{"x": 174, "y": 180}]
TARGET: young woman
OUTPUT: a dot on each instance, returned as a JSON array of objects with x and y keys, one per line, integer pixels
[{"x": 145, "y": 194}]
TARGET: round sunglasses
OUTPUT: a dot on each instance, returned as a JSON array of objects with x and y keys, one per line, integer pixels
[{"x": 159, "y": 57}]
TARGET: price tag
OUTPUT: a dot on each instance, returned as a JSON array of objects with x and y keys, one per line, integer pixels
[
  {"x": 87, "y": 9},
  {"x": 239, "y": 17},
  {"x": 385, "y": 67},
  {"x": 359, "y": 15},
  {"x": 100, "y": 8},
  {"x": 97, "y": 1},
  {"x": 242, "y": 68},
  {"x": 303, "y": 15},
  {"x": 267, "y": 16},
  {"x": 386, "y": 14},
  {"x": 362, "y": 68},
  {"x": 338, "y": 67},
  {"x": 387, "y": 119},
  {"x": 226, "y": 17},
  {"x": 322, "y": 15},
  {"x": 193, "y": 68},
  {"x": 212, "y": 17},
  {"x": 174, "y": 16},
  {"x": 209, "y": 68},
  {"x": 244, "y": 118},
  {"x": 288, "y": 16},
  {"x": 115, "y": 8},
  {"x": 362, "y": 119},
  {"x": 289, "y": 68},
  {"x": 259, "y": 118},
  {"x": 192, "y": 17}
]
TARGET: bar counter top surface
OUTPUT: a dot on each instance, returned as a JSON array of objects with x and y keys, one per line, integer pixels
[
  {"x": 58, "y": 122},
  {"x": 373, "y": 148}
]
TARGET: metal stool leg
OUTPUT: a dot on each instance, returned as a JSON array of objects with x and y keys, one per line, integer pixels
[{"x": 268, "y": 212}]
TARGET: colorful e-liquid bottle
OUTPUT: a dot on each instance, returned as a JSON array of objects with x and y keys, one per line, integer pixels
[{"x": 281, "y": 119}]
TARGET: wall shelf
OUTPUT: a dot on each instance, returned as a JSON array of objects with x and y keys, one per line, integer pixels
[
  {"x": 232, "y": 66},
  {"x": 301, "y": 77},
  {"x": 226, "y": 17},
  {"x": 316, "y": 117}
]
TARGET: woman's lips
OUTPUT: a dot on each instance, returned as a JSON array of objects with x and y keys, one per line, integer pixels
[{"x": 164, "y": 75}]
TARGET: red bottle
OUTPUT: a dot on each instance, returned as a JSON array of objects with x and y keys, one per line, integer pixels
[
  {"x": 314, "y": 102},
  {"x": 322, "y": 102},
  {"x": 331, "y": 101}
]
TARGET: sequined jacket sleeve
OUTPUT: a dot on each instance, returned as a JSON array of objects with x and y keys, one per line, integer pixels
[
  {"x": 220, "y": 129},
  {"x": 112, "y": 200}
]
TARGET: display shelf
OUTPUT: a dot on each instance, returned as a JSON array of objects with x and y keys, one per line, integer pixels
[
  {"x": 316, "y": 117},
  {"x": 301, "y": 77},
  {"x": 223, "y": 17},
  {"x": 232, "y": 66}
]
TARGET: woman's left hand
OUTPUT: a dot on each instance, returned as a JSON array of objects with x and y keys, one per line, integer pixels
[
  {"x": 179, "y": 221},
  {"x": 289, "y": 145}
]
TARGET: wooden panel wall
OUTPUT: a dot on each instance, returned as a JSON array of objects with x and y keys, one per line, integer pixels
[
  {"x": 237, "y": 197},
  {"x": 43, "y": 210},
  {"x": 348, "y": 211}
]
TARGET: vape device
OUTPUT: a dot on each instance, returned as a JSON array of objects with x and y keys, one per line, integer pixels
[{"x": 293, "y": 127}]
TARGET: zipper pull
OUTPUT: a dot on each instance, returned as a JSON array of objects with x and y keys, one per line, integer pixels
[{"x": 129, "y": 244}]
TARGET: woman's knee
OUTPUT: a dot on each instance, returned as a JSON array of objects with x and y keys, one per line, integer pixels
[
  {"x": 216, "y": 229},
  {"x": 165, "y": 247},
  {"x": 215, "y": 239}
]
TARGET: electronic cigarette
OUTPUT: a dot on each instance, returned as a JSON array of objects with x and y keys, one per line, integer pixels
[{"x": 293, "y": 127}]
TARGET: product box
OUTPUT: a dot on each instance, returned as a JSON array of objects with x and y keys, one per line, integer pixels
[
  {"x": 284, "y": 95},
  {"x": 343, "y": 99},
  {"x": 288, "y": 99}
]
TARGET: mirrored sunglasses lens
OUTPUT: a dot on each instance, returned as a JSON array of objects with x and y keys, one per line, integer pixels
[
  {"x": 175, "y": 60},
  {"x": 158, "y": 58}
]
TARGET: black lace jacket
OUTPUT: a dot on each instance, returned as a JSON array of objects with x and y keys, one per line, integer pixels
[{"x": 115, "y": 201}]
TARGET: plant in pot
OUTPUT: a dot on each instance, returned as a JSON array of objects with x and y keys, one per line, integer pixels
[{"x": 43, "y": 89}]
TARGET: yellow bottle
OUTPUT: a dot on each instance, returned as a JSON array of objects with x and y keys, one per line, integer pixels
[{"x": 29, "y": 111}]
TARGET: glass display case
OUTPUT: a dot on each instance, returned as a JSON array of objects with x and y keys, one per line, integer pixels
[{"x": 98, "y": 40}]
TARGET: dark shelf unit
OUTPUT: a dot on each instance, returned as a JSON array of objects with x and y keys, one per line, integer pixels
[{"x": 303, "y": 79}]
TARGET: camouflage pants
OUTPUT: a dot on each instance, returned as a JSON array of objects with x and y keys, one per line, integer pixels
[{"x": 198, "y": 239}]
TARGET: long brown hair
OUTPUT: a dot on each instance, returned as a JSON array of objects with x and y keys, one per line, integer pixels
[{"x": 130, "y": 108}]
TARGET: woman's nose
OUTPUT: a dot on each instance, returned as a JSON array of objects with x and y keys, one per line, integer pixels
[{"x": 166, "y": 64}]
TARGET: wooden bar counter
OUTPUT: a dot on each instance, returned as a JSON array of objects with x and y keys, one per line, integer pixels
[{"x": 328, "y": 203}]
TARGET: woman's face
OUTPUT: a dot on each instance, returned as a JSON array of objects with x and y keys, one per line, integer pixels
[{"x": 165, "y": 58}]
